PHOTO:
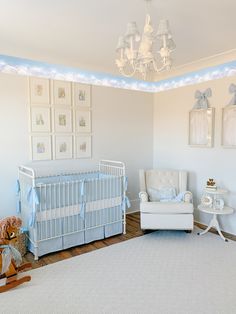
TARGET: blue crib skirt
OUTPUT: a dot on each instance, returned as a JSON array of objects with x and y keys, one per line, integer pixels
[{"x": 99, "y": 225}]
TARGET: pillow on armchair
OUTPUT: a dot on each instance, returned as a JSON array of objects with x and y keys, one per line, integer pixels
[{"x": 157, "y": 195}]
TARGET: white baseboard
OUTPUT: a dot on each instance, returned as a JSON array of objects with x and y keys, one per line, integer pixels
[
  {"x": 133, "y": 211},
  {"x": 134, "y": 206}
]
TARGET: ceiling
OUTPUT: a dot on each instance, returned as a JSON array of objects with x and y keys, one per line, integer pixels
[{"x": 84, "y": 33}]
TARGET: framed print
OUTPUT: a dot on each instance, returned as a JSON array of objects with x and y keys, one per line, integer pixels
[
  {"x": 83, "y": 121},
  {"x": 39, "y": 91},
  {"x": 62, "y": 120},
  {"x": 83, "y": 146},
  {"x": 40, "y": 119},
  {"x": 201, "y": 122},
  {"x": 63, "y": 147},
  {"x": 61, "y": 93},
  {"x": 229, "y": 126},
  {"x": 41, "y": 147},
  {"x": 82, "y": 95}
]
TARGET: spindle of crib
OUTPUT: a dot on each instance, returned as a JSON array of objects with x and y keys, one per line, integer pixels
[{"x": 36, "y": 255}]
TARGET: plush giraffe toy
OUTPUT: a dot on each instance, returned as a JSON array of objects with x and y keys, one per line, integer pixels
[{"x": 10, "y": 258}]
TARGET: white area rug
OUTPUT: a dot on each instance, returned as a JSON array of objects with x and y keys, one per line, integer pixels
[{"x": 162, "y": 272}]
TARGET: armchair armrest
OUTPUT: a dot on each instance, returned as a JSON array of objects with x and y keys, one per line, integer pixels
[
  {"x": 143, "y": 196},
  {"x": 188, "y": 197}
]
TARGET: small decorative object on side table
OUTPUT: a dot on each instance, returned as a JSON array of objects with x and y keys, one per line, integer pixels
[
  {"x": 215, "y": 206},
  {"x": 211, "y": 185}
]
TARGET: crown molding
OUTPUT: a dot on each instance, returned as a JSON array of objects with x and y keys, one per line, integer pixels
[
  {"x": 186, "y": 75},
  {"x": 20, "y": 66},
  {"x": 212, "y": 61}
]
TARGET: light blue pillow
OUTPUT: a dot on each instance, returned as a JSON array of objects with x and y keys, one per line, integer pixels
[{"x": 157, "y": 195}]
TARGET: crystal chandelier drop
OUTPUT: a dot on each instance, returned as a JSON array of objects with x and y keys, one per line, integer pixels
[{"x": 140, "y": 54}]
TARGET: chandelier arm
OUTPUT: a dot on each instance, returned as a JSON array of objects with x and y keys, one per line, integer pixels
[
  {"x": 126, "y": 74},
  {"x": 156, "y": 67}
]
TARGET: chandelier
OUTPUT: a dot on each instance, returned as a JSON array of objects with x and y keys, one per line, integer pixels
[{"x": 147, "y": 53}]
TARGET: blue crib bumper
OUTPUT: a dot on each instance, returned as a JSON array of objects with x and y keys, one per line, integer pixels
[{"x": 33, "y": 194}]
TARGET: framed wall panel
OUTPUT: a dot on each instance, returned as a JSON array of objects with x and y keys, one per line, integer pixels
[
  {"x": 229, "y": 126},
  {"x": 201, "y": 127}
]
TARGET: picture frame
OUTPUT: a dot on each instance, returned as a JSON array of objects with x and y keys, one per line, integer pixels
[
  {"x": 219, "y": 203},
  {"x": 82, "y": 95},
  {"x": 41, "y": 148},
  {"x": 82, "y": 121},
  {"x": 201, "y": 127},
  {"x": 63, "y": 147},
  {"x": 39, "y": 91},
  {"x": 206, "y": 200},
  {"x": 61, "y": 93},
  {"x": 228, "y": 137},
  {"x": 83, "y": 146},
  {"x": 62, "y": 120},
  {"x": 40, "y": 119}
]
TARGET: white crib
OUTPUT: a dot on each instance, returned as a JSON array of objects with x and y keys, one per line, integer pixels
[{"x": 65, "y": 210}]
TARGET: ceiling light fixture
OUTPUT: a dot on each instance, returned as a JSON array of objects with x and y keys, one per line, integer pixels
[{"x": 139, "y": 54}]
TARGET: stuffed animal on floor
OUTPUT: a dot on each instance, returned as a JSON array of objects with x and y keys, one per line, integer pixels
[{"x": 10, "y": 257}]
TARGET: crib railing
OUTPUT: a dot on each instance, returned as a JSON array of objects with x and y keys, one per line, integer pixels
[{"x": 69, "y": 207}]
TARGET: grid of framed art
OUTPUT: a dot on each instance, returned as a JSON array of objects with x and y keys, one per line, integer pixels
[{"x": 60, "y": 119}]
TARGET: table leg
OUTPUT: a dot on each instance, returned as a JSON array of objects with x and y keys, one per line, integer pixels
[
  {"x": 207, "y": 229},
  {"x": 217, "y": 226},
  {"x": 214, "y": 224}
]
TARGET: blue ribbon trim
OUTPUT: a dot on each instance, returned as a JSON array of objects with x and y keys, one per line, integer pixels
[
  {"x": 33, "y": 200},
  {"x": 82, "y": 210},
  {"x": 202, "y": 99},
  {"x": 125, "y": 203},
  {"x": 18, "y": 202},
  {"x": 18, "y": 206},
  {"x": 83, "y": 204},
  {"x": 17, "y": 187},
  {"x": 126, "y": 184}
]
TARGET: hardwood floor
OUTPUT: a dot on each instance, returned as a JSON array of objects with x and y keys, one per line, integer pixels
[{"x": 132, "y": 231}]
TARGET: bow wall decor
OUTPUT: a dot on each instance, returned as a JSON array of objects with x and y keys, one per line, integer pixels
[
  {"x": 202, "y": 99},
  {"x": 232, "y": 90}
]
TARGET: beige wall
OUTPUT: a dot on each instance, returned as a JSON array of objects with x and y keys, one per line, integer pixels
[
  {"x": 171, "y": 148},
  {"x": 122, "y": 127},
  {"x": 126, "y": 128}
]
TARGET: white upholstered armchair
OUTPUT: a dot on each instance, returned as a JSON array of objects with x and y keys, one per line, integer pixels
[{"x": 159, "y": 212}]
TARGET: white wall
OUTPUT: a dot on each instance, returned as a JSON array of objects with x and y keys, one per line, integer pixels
[
  {"x": 171, "y": 150},
  {"x": 122, "y": 127}
]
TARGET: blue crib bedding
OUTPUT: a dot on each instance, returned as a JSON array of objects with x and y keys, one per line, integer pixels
[
  {"x": 70, "y": 177},
  {"x": 72, "y": 224},
  {"x": 98, "y": 200},
  {"x": 62, "y": 233},
  {"x": 68, "y": 190}
]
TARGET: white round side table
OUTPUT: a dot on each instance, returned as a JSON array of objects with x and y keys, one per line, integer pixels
[{"x": 214, "y": 221}]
